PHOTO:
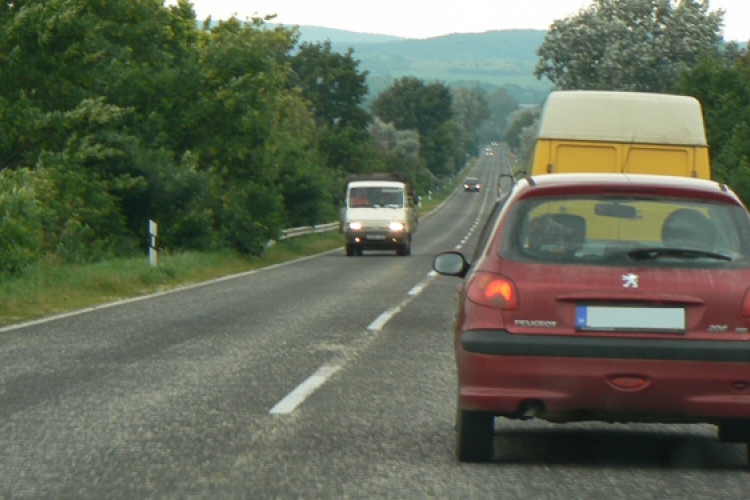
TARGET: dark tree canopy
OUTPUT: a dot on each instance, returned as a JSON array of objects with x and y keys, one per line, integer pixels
[
  {"x": 333, "y": 84},
  {"x": 411, "y": 104},
  {"x": 723, "y": 87},
  {"x": 335, "y": 89}
]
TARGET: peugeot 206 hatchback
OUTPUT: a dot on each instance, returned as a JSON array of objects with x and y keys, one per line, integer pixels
[{"x": 605, "y": 297}]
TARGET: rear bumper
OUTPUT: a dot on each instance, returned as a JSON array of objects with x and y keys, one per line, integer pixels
[
  {"x": 585, "y": 378},
  {"x": 501, "y": 342},
  {"x": 377, "y": 239}
]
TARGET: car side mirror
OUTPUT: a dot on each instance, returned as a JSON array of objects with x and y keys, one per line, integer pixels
[
  {"x": 451, "y": 264},
  {"x": 505, "y": 183}
]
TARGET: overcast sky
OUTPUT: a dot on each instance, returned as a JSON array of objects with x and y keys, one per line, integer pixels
[{"x": 424, "y": 19}]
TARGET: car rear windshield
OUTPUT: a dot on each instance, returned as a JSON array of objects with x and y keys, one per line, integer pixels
[{"x": 648, "y": 231}]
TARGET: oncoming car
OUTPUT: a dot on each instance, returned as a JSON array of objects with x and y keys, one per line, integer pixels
[
  {"x": 472, "y": 184},
  {"x": 605, "y": 297}
]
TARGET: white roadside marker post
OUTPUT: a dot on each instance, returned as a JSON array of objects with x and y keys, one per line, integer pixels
[{"x": 153, "y": 252}]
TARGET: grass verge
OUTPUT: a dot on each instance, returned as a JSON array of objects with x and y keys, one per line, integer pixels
[{"x": 48, "y": 288}]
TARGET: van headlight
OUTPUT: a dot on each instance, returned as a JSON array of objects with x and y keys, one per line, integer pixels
[
  {"x": 396, "y": 227},
  {"x": 355, "y": 226}
]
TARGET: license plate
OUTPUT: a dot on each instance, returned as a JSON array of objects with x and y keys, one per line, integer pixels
[
  {"x": 632, "y": 319},
  {"x": 375, "y": 236}
]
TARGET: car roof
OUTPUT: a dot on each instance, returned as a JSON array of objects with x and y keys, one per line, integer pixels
[{"x": 592, "y": 183}]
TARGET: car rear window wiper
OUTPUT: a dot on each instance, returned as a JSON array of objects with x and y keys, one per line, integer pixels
[{"x": 683, "y": 253}]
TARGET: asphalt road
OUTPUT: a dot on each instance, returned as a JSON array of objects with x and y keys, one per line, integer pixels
[{"x": 327, "y": 377}]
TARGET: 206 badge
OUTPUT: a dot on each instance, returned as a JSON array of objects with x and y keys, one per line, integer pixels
[{"x": 630, "y": 280}]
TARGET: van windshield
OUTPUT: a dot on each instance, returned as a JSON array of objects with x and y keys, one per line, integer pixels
[{"x": 376, "y": 197}]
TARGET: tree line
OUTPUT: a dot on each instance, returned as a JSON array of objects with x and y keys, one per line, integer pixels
[
  {"x": 663, "y": 46},
  {"x": 114, "y": 113}
]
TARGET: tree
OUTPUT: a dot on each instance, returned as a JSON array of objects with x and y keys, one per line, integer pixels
[
  {"x": 411, "y": 104},
  {"x": 500, "y": 105},
  {"x": 722, "y": 85},
  {"x": 85, "y": 84},
  {"x": 335, "y": 90},
  {"x": 243, "y": 113},
  {"x": 521, "y": 132},
  {"x": 639, "y": 45},
  {"x": 399, "y": 152},
  {"x": 21, "y": 223},
  {"x": 470, "y": 110},
  {"x": 332, "y": 83}
]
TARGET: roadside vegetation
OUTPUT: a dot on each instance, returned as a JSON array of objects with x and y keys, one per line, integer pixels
[
  {"x": 223, "y": 133},
  {"x": 51, "y": 286},
  {"x": 48, "y": 287},
  {"x": 113, "y": 114}
]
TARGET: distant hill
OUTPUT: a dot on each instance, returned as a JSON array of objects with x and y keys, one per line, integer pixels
[
  {"x": 518, "y": 45},
  {"x": 341, "y": 39},
  {"x": 489, "y": 60},
  {"x": 494, "y": 59}
]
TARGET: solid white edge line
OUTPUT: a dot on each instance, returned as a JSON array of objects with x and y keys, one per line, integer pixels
[
  {"x": 121, "y": 302},
  {"x": 295, "y": 398}
]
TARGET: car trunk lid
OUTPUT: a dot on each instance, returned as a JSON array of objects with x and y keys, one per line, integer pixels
[{"x": 597, "y": 300}]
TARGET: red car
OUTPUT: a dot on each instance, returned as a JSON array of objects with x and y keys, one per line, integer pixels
[{"x": 605, "y": 297}]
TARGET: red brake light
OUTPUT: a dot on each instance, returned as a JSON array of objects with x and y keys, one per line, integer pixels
[
  {"x": 492, "y": 290},
  {"x": 746, "y": 304}
]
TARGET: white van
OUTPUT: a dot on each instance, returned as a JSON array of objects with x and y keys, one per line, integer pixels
[{"x": 379, "y": 214}]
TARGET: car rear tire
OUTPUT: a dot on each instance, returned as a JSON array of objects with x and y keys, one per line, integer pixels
[{"x": 475, "y": 436}]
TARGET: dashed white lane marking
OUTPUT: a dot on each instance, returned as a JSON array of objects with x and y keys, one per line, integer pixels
[
  {"x": 420, "y": 286},
  {"x": 474, "y": 226},
  {"x": 320, "y": 377},
  {"x": 304, "y": 390},
  {"x": 384, "y": 318},
  {"x": 295, "y": 398}
]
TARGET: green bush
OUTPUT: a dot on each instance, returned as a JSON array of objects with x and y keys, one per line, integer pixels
[{"x": 21, "y": 221}]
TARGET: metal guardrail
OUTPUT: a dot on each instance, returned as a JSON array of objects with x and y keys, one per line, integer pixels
[{"x": 303, "y": 230}]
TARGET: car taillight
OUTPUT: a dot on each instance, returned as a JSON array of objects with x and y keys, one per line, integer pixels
[
  {"x": 492, "y": 290},
  {"x": 746, "y": 304}
]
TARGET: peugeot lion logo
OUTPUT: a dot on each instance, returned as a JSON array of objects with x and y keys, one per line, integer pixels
[{"x": 630, "y": 280}]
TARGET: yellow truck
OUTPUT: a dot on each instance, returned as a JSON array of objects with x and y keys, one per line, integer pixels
[{"x": 626, "y": 132}]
